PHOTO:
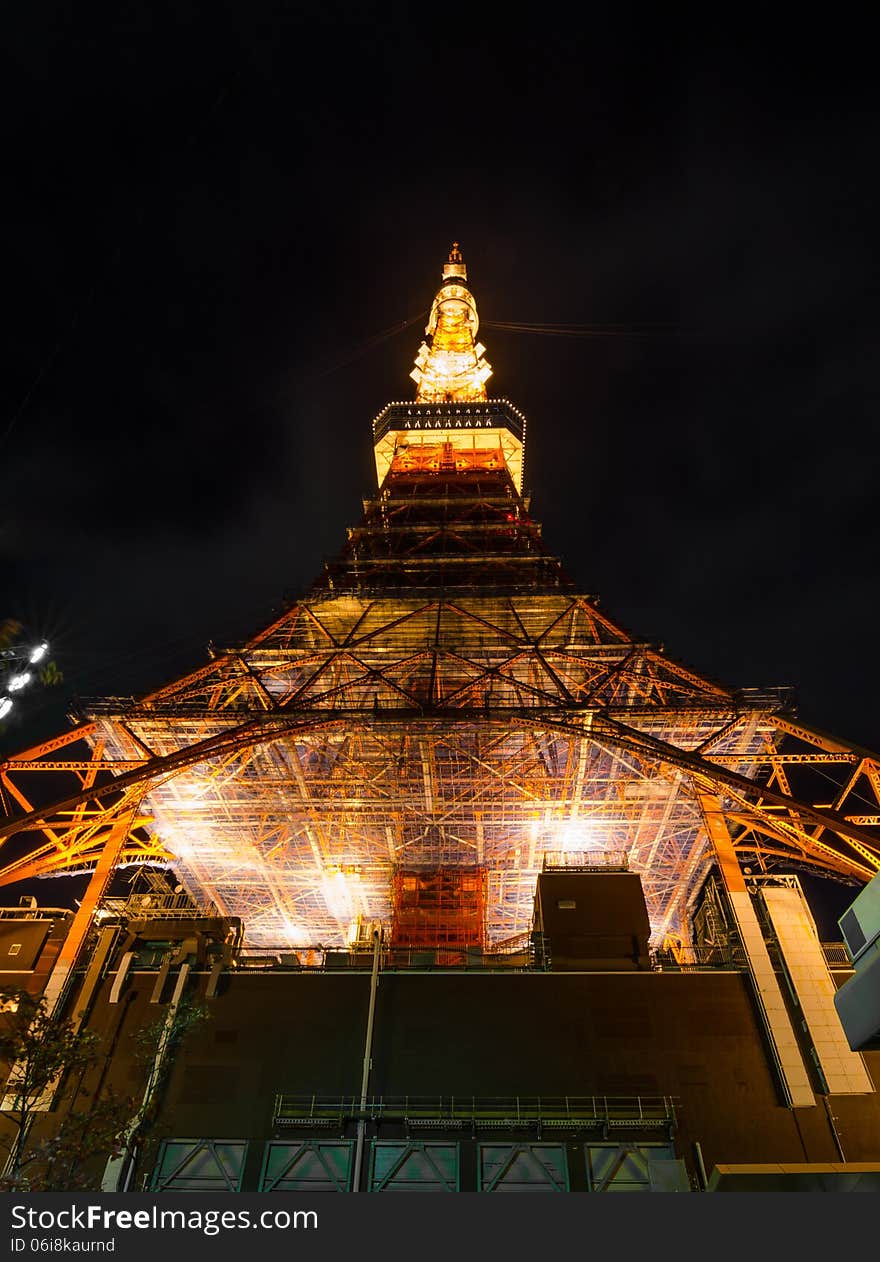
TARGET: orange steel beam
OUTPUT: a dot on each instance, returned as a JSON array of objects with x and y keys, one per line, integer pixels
[
  {"x": 75, "y": 844},
  {"x": 31, "y": 866},
  {"x": 776, "y": 760},
  {"x": 813, "y": 736},
  {"x": 268, "y": 727},
  {"x": 81, "y": 922},
  {"x": 688, "y": 676},
  {"x": 202, "y": 673},
  {"x": 721, "y": 842},
  {"x": 727, "y": 729},
  {"x": 105, "y": 764},
  {"x": 26, "y": 805},
  {"x": 49, "y": 747},
  {"x": 618, "y": 732},
  {"x": 865, "y": 843},
  {"x": 794, "y": 836}
]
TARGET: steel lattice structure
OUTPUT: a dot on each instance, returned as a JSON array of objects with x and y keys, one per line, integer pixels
[{"x": 441, "y": 697}]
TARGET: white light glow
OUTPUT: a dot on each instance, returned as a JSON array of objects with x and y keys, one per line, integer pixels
[
  {"x": 338, "y": 895},
  {"x": 190, "y": 796},
  {"x": 5, "y": 706},
  {"x": 20, "y": 680},
  {"x": 576, "y": 834},
  {"x": 38, "y": 653}
]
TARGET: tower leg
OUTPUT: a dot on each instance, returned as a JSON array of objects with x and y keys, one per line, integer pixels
[
  {"x": 81, "y": 923},
  {"x": 789, "y": 1062}
]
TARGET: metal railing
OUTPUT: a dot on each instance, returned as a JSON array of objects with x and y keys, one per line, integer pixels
[
  {"x": 732, "y": 955},
  {"x": 585, "y": 860},
  {"x": 393, "y": 959},
  {"x": 535, "y": 957},
  {"x": 727, "y": 956},
  {"x": 160, "y": 907},
  {"x": 501, "y": 1112},
  {"x": 34, "y": 913}
]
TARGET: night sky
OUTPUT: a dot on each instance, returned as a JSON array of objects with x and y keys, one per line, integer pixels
[{"x": 220, "y": 218}]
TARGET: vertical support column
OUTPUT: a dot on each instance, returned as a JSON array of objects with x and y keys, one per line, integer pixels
[
  {"x": 843, "y": 1069},
  {"x": 76, "y": 935},
  {"x": 102, "y": 952},
  {"x": 368, "y": 1061},
  {"x": 793, "y": 1073}
]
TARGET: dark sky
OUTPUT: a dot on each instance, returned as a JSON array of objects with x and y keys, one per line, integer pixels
[{"x": 212, "y": 211}]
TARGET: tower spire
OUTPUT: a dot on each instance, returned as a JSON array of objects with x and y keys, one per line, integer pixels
[{"x": 450, "y": 367}]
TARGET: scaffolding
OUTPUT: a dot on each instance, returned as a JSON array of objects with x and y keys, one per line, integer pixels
[
  {"x": 442, "y": 698},
  {"x": 444, "y": 907}
]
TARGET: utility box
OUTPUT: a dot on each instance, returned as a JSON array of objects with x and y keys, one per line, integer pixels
[{"x": 593, "y": 920}]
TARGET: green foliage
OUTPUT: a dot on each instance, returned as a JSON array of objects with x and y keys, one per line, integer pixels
[
  {"x": 188, "y": 1014},
  {"x": 45, "y": 1058},
  {"x": 154, "y": 1048},
  {"x": 39, "y": 1048},
  {"x": 9, "y": 631},
  {"x": 50, "y": 1060},
  {"x": 50, "y": 675},
  {"x": 64, "y": 1161}
]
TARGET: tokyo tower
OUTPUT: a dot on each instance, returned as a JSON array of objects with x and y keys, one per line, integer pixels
[{"x": 439, "y": 718}]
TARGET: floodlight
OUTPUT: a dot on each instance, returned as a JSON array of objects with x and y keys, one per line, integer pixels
[{"x": 38, "y": 653}]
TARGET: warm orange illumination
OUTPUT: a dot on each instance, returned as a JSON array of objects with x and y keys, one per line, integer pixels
[
  {"x": 426, "y": 457},
  {"x": 439, "y": 718},
  {"x": 450, "y": 367}
]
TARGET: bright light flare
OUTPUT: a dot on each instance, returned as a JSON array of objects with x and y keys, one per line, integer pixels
[
  {"x": 296, "y": 934},
  {"x": 20, "y": 681},
  {"x": 38, "y": 653},
  {"x": 338, "y": 895},
  {"x": 5, "y": 706},
  {"x": 576, "y": 834}
]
